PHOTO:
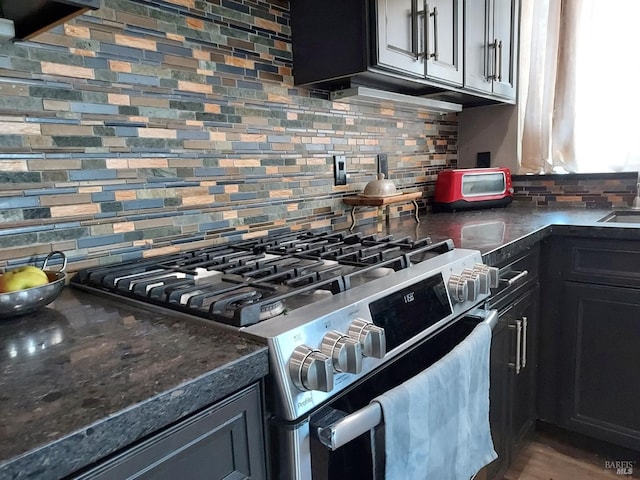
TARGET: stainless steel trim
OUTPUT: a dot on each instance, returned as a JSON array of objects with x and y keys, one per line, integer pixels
[
  {"x": 525, "y": 326},
  {"x": 295, "y": 448},
  {"x": 360, "y": 422}
]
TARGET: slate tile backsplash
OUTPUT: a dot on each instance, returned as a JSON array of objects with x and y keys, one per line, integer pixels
[
  {"x": 143, "y": 126},
  {"x": 592, "y": 190}
]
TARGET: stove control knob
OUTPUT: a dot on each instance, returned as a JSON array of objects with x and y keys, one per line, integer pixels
[
  {"x": 458, "y": 288},
  {"x": 370, "y": 336},
  {"x": 493, "y": 272},
  {"x": 483, "y": 277},
  {"x": 344, "y": 351},
  {"x": 311, "y": 369},
  {"x": 473, "y": 284}
]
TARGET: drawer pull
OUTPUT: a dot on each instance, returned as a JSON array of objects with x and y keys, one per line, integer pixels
[{"x": 512, "y": 281}]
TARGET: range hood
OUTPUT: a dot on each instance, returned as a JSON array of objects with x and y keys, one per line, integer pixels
[
  {"x": 31, "y": 17},
  {"x": 366, "y": 95}
]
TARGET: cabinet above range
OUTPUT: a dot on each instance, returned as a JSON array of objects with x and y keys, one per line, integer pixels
[{"x": 416, "y": 47}]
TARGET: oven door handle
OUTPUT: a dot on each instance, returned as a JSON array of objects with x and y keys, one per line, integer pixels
[{"x": 351, "y": 426}]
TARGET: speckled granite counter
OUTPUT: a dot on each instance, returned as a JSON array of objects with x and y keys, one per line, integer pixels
[
  {"x": 87, "y": 376},
  {"x": 502, "y": 232}
]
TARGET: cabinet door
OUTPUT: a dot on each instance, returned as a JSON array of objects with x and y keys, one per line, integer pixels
[
  {"x": 523, "y": 402},
  {"x": 224, "y": 441},
  {"x": 477, "y": 18},
  {"x": 499, "y": 396},
  {"x": 505, "y": 32},
  {"x": 444, "y": 40},
  {"x": 491, "y": 46},
  {"x": 398, "y": 36},
  {"x": 600, "y": 387}
]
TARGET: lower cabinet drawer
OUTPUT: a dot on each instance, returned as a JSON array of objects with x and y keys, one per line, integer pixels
[
  {"x": 224, "y": 441},
  {"x": 603, "y": 261}
]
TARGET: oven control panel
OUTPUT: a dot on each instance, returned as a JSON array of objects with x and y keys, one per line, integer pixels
[{"x": 319, "y": 350}]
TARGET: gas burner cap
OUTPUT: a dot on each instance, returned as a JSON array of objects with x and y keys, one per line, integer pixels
[{"x": 271, "y": 310}]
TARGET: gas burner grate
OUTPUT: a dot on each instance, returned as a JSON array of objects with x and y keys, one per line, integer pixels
[{"x": 243, "y": 283}]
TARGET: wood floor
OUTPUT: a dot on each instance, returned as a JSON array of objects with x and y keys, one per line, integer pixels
[{"x": 548, "y": 457}]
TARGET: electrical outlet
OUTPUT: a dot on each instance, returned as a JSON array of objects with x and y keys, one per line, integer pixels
[
  {"x": 340, "y": 169},
  {"x": 483, "y": 159}
]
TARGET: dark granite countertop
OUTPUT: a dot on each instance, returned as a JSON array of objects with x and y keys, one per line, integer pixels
[
  {"x": 502, "y": 232},
  {"x": 87, "y": 376}
]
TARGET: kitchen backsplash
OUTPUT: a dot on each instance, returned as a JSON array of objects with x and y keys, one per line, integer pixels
[
  {"x": 143, "y": 125},
  {"x": 594, "y": 190}
]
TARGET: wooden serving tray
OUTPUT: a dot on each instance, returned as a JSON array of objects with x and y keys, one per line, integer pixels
[{"x": 374, "y": 201}]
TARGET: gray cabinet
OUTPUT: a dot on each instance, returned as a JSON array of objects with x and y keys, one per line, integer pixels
[
  {"x": 224, "y": 441},
  {"x": 451, "y": 50},
  {"x": 491, "y": 47},
  {"x": 400, "y": 46},
  {"x": 421, "y": 38},
  {"x": 414, "y": 46},
  {"x": 444, "y": 46}
]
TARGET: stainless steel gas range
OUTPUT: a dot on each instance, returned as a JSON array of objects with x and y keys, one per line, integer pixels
[{"x": 343, "y": 315}]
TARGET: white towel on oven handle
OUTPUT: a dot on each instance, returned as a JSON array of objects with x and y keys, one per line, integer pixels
[{"x": 436, "y": 424}]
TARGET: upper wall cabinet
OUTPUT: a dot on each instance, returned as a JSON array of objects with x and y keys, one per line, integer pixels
[
  {"x": 408, "y": 46},
  {"x": 400, "y": 45},
  {"x": 421, "y": 38},
  {"x": 32, "y": 17},
  {"x": 491, "y": 46}
]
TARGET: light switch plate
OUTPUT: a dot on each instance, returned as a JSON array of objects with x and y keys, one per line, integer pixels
[
  {"x": 340, "y": 169},
  {"x": 383, "y": 164}
]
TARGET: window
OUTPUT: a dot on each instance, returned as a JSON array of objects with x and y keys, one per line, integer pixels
[{"x": 579, "y": 99}]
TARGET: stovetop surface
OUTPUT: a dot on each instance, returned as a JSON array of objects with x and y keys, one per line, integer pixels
[{"x": 246, "y": 282}]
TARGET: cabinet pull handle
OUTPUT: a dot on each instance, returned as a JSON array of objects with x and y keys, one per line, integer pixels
[
  {"x": 494, "y": 70},
  {"x": 500, "y": 61},
  {"x": 414, "y": 29},
  {"x": 518, "y": 327},
  {"x": 425, "y": 25},
  {"x": 434, "y": 14},
  {"x": 525, "y": 327}
]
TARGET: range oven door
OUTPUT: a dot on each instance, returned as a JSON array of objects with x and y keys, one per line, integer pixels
[{"x": 341, "y": 432}]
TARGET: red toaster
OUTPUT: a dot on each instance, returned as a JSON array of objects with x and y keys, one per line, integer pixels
[{"x": 461, "y": 189}]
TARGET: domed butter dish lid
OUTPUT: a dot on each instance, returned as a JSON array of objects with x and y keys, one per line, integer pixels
[{"x": 380, "y": 188}]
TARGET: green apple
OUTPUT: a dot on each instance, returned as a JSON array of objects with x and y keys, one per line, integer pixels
[{"x": 22, "y": 278}]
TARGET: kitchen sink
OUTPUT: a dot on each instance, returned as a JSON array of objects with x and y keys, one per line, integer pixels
[{"x": 622, "y": 216}]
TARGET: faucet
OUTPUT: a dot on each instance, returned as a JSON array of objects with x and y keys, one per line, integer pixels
[{"x": 636, "y": 201}]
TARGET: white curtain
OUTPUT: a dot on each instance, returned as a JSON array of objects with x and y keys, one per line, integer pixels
[{"x": 578, "y": 100}]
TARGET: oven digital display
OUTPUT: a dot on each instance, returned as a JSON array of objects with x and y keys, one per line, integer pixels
[{"x": 411, "y": 310}]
